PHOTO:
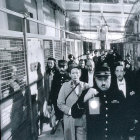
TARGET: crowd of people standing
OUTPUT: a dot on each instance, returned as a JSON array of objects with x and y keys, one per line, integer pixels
[{"x": 96, "y": 98}]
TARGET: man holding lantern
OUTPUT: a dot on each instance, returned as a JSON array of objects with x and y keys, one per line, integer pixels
[{"x": 102, "y": 108}]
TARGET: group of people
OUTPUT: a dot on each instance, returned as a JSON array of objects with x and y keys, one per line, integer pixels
[{"x": 96, "y": 99}]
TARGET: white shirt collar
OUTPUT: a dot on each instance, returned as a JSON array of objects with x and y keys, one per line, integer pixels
[{"x": 122, "y": 86}]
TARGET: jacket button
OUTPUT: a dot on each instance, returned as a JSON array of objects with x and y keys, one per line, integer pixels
[
  {"x": 106, "y": 108},
  {"x": 104, "y": 95},
  {"x": 106, "y": 102},
  {"x": 106, "y": 129},
  {"x": 105, "y": 136},
  {"x": 106, "y": 115},
  {"x": 106, "y": 122}
]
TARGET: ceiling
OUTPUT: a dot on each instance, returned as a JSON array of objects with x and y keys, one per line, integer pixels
[{"x": 87, "y": 16}]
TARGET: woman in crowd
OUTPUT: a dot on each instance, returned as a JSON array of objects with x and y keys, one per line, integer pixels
[{"x": 74, "y": 129}]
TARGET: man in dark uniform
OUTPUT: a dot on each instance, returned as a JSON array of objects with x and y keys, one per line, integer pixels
[
  {"x": 59, "y": 78},
  {"x": 104, "y": 121}
]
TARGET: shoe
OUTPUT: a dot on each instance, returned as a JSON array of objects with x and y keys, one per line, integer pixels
[{"x": 53, "y": 131}]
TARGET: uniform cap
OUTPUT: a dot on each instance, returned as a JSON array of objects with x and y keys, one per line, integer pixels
[
  {"x": 102, "y": 70},
  {"x": 62, "y": 63}
]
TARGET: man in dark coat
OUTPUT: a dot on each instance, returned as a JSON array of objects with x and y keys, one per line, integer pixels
[
  {"x": 59, "y": 78},
  {"x": 102, "y": 108},
  {"x": 123, "y": 83}
]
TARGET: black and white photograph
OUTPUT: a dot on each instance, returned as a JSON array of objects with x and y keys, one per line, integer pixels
[{"x": 70, "y": 69}]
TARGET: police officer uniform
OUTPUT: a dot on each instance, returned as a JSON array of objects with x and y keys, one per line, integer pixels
[
  {"x": 58, "y": 80},
  {"x": 106, "y": 124}
]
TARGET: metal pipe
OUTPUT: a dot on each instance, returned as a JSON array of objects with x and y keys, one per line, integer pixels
[
  {"x": 39, "y": 22},
  {"x": 26, "y": 64}
]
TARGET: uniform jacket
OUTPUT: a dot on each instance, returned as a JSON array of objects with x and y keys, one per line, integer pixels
[
  {"x": 108, "y": 124},
  {"x": 57, "y": 82}
]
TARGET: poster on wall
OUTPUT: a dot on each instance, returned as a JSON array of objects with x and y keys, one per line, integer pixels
[{"x": 35, "y": 55}]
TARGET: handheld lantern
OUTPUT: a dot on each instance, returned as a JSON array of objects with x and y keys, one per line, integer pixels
[{"x": 94, "y": 106}]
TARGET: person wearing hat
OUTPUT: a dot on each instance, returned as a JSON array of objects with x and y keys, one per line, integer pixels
[
  {"x": 101, "y": 107},
  {"x": 74, "y": 129},
  {"x": 59, "y": 78}
]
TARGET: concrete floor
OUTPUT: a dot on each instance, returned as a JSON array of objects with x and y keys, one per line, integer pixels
[{"x": 47, "y": 136}]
